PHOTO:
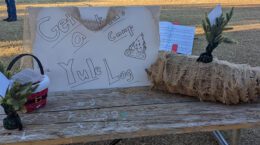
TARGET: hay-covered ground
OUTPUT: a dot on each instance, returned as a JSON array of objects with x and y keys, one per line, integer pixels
[{"x": 246, "y": 24}]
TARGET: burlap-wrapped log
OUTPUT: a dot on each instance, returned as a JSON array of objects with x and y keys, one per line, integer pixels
[{"x": 216, "y": 81}]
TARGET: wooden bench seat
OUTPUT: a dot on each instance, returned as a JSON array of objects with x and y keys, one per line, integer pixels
[{"x": 97, "y": 115}]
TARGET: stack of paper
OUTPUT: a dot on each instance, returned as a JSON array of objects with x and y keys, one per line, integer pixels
[{"x": 176, "y": 38}]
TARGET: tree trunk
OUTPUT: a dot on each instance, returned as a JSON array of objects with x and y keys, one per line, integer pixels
[{"x": 218, "y": 81}]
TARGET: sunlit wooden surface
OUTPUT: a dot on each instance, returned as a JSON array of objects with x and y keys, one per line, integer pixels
[{"x": 98, "y": 115}]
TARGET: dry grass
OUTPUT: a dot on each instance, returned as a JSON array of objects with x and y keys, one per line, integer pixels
[{"x": 10, "y": 48}]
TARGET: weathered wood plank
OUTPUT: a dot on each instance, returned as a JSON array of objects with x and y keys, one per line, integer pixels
[
  {"x": 174, "y": 118},
  {"x": 98, "y": 131},
  {"x": 109, "y": 98},
  {"x": 125, "y": 113},
  {"x": 188, "y": 112}
]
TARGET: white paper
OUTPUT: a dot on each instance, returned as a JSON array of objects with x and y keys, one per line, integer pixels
[
  {"x": 4, "y": 84},
  {"x": 166, "y": 35},
  {"x": 115, "y": 56},
  {"x": 214, "y": 14},
  {"x": 176, "y": 35}
]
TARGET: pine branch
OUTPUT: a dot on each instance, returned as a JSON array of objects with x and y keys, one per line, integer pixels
[
  {"x": 213, "y": 34},
  {"x": 216, "y": 30},
  {"x": 17, "y": 95}
]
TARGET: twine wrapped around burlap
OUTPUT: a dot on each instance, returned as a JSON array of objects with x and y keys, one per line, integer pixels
[{"x": 218, "y": 81}]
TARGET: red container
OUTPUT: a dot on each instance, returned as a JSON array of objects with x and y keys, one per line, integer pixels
[{"x": 38, "y": 98}]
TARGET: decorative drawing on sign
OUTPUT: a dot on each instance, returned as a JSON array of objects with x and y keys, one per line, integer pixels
[
  {"x": 78, "y": 77},
  {"x": 124, "y": 75},
  {"x": 137, "y": 49}
]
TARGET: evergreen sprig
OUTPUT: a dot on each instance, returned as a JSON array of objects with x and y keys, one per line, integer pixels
[
  {"x": 16, "y": 95},
  {"x": 214, "y": 35}
]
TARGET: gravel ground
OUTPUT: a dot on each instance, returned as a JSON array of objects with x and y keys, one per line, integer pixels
[
  {"x": 246, "y": 22},
  {"x": 248, "y": 137}
]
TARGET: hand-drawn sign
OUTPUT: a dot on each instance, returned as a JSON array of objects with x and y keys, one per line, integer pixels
[
  {"x": 79, "y": 58},
  {"x": 137, "y": 48}
]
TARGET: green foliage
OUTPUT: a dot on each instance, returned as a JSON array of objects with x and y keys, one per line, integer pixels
[
  {"x": 8, "y": 74},
  {"x": 213, "y": 33},
  {"x": 17, "y": 94}
]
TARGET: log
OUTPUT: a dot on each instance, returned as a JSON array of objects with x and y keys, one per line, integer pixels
[{"x": 218, "y": 81}]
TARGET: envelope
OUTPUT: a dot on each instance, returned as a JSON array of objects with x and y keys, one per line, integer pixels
[{"x": 95, "y": 47}]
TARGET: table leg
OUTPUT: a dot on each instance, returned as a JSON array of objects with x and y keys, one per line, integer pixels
[
  {"x": 235, "y": 138},
  {"x": 114, "y": 142},
  {"x": 221, "y": 140},
  {"x": 217, "y": 134}
]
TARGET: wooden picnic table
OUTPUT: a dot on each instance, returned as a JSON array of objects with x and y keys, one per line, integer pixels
[{"x": 98, "y": 115}]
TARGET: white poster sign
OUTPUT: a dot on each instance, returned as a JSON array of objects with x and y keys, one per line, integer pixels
[{"x": 90, "y": 48}]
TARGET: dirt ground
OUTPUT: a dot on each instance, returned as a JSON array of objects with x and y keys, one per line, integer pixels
[{"x": 246, "y": 24}]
